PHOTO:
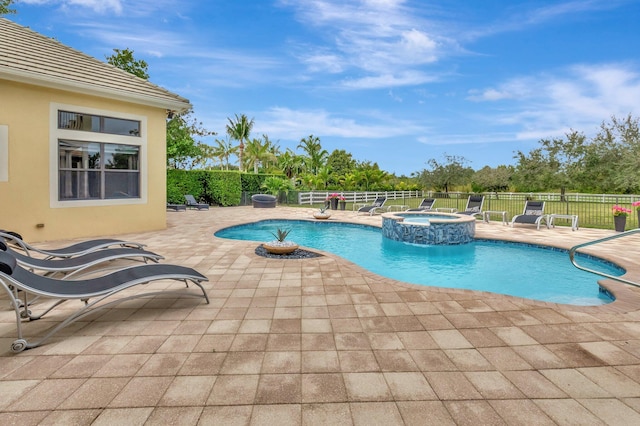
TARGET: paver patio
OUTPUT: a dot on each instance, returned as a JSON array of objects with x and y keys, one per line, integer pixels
[{"x": 322, "y": 341}]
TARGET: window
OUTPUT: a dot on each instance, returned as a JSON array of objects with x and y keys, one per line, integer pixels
[
  {"x": 97, "y": 171},
  {"x": 98, "y": 123},
  {"x": 97, "y": 157}
]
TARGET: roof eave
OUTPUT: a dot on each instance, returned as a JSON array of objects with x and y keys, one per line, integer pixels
[{"x": 177, "y": 105}]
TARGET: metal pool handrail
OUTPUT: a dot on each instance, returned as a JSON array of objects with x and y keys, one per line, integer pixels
[{"x": 573, "y": 250}]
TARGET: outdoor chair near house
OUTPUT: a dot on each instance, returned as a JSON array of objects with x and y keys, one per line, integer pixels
[
  {"x": 76, "y": 249},
  {"x": 425, "y": 204},
  {"x": 474, "y": 206},
  {"x": 263, "y": 201},
  {"x": 177, "y": 207},
  {"x": 533, "y": 214},
  {"x": 192, "y": 203},
  {"x": 376, "y": 207},
  {"x": 20, "y": 284},
  {"x": 94, "y": 261}
]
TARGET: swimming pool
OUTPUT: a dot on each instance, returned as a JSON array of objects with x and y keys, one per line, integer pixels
[{"x": 516, "y": 269}]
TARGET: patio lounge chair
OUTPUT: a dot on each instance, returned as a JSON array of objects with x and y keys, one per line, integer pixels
[
  {"x": 69, "y": 251},
  {"x": 425, "y": 204},
  {"x": 374, "y": 208},
  {"x": 177, "y": 207},
  {"x": 474, "y": 206},
  {"x": 91, "y": 291},
  {"x": 75, "y": 265},
  {"x": 191, "y": 202},
  {"x": 533, "y": 213}
]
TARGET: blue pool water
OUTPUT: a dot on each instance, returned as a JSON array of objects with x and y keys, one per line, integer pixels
[
  {"x": 532, "y": 272},
  {"x": 424, "y": 219}
]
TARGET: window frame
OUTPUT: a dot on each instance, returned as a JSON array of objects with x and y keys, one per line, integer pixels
[{"x": 57, "y": 134}]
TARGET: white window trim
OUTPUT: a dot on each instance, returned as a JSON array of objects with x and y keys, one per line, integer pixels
[
  {"x": 4, "y": 153},
  {"x": 56, "y": 134}
]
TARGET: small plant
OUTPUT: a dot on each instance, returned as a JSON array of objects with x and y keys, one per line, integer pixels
[
  {"x": 323, "y": 209},
  {"x": 620, "y": 211},
  {"x": 281, "y": 234},
  {"x": 636, "y": 204}
]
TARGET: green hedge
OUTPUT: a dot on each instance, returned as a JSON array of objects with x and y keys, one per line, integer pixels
[{"x": 218, "y": 187}]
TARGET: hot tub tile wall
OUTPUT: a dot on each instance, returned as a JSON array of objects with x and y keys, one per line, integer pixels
[{"x": 434, "y": 233}]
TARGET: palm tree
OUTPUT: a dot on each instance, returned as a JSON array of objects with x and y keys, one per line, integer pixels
[
  {"x": 240, "y": 129},
  {"x": 223, "y": 150},
  {"x": 270, "y": 159},
  {"x": 290, "y": 163},
  {"x": 259, "y": 153},
  {"x": 316, "y": 156}
]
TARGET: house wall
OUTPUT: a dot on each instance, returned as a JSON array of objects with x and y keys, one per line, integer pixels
[{"x": 25, "y": 202}]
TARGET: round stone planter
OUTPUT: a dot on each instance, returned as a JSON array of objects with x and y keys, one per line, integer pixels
[
  {"x": 280, "y": 248},
  {"x": 321, "y": 216}
]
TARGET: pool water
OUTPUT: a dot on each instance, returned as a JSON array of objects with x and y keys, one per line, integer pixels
[
  {"x": 515, "y": 269},
  {"x": 424, "y": 218}
]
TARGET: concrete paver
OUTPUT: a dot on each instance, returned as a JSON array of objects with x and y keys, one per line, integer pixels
[{"x": 322, "y": 341}]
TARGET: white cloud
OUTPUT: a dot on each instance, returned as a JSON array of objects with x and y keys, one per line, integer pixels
[
  {"x": 579, "y": 97},
  {"x": 295, "y": 124},
  {"x": 99, "y": 6},
  {"x": 406, "y": 78},
  {"x": 384, "y": 41}
]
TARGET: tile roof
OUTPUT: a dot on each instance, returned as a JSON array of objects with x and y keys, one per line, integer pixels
[{"x": 33, "y": 58}]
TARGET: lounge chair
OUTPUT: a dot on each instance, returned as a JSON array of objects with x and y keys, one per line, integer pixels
[
  {"x": 191, "y": 202},
  {"x": 533, "y": 213},
  {"x": 91, "y": 291},
  {"x": 68, "y": 267},
  {"x": 425, "y": 204},
  {"x": 474, "y": 206},
  {"x": 374, "y": 208},
  {"x": 177, "y": 207},
  {"x": 69, "y": 251}
]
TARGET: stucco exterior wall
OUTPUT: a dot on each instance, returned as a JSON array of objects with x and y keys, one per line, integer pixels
[{"x": 25, "y": 202}]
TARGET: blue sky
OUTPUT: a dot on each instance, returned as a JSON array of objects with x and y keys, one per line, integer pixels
[{"x": 393, "y": 82}]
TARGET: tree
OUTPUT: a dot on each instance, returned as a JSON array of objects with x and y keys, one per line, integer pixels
[
  {"x": 223, "y": 150},
  {"x": 183, "y": 151},
  {"x": 445, "y": 175},
  {"x": 341, "y": 162},
  {"x": 316, "y": 156},
  {"x": 606, "y": 163},
  {"x": 259, "y": 153},
  {"x": 240, "y": 129},
  {"x": 622, "y": 136},
  {"x": 274, "y": 185},
  {"x": 490, "y": 179},
  {"x": 290, "y": 164},
  {"x": 5, "y": 7},
  {"x": 125, "y": 60},
  {"x": 369, "y": 177}
]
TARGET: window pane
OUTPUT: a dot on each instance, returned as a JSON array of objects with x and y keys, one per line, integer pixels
[
  {"x": 119, "y": 126},
  {"x": 79, "y": 185},
  {"x": 98, "y": 124},
  {"x": 122, "y": 157},
  {"x": 77, "y": 121},
  {"x": 122, "y": 184},
  {"x": 78, "y": 155}
]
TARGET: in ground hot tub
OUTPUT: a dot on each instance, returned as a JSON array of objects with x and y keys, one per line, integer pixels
[{"x": 429, "y": 227}]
